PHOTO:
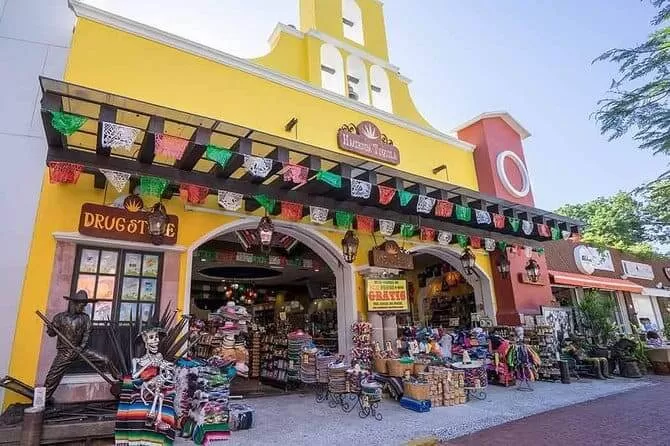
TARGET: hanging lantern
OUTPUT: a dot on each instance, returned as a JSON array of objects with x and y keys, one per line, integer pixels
[
  {"x": 158, "y": 220},
  {"x": 503, "y": 266},
  {"x": 533, "y": 270},
  {"x": 229, "y": 293},
  {"x": 468, "y": 261},
  {"x": 349, "y": 246},
  {"x": 265, "y": 231}
]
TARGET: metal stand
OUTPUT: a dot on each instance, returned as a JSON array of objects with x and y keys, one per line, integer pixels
[
  {"x": 475, "y": 392},
  {"x": 524, "y": 385},
  {"x": 369, "y": 407}
]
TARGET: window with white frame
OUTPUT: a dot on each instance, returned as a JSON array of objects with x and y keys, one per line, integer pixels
[
  {"x": 379, "y": 89},
  {"x": 357, "y": 80},
  {"x": 352, "y": 21},
  {"x": 332, "y": 69}
]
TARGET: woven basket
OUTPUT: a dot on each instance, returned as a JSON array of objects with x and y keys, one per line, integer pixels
[
  {"x": 420, "y": 366},
  {"x": 416, "y": 391},
  {"x": 397, "y": 368},
  {"x": 381, "y": 365}
]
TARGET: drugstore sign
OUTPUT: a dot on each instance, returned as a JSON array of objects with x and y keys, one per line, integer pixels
[
  {"x": 122, "y": 224},
  {"x": 386, "y": 295}
]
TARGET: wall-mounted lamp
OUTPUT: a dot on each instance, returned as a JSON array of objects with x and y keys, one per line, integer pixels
[
  {"x": 292, "y": 123},
  {"x": 439, "y": 169}
]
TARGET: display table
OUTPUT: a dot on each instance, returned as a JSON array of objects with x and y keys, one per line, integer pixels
[{"x": 660, "y": 359}]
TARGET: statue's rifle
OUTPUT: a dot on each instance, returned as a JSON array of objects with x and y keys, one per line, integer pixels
[{"x": 67, "y": 342}]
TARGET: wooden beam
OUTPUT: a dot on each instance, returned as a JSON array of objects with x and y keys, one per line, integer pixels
[
  {"x": 148, "y": 147},
  {"x": 51, "y": 102},
  {"x": 279, "y": 156},
  {"x": 196, "y": 148},
  {"x": 100, "y": 181}
]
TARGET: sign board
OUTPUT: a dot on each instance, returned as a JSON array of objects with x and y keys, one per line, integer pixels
[
  {"x": 637, "y": 270},
  {"x": 366, "y": 139},
  {"x": 386, "y": 295},
  {"x": 589, "y": 259},
  {"x": 389, "y": 255},
  {"x": 122, "y": 224}
]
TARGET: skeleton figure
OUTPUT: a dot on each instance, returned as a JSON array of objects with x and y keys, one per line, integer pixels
[{"x": 157, "y": 376}]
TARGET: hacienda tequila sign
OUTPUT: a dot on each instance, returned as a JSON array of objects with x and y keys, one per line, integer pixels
[{"x": 366, "y": 139}]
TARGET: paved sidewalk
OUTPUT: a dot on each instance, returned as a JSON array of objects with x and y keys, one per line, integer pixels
[{"x": 299, "y": 420}]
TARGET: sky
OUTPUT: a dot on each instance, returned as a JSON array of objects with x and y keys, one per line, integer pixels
[{"x": 531, "y": 58}]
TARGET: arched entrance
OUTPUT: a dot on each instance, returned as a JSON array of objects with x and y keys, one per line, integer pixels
[
  {"x": 479, "y": 280},
  {"x": 329, "y": 252}
]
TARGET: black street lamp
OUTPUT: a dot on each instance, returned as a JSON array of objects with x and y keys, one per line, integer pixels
[
  {"x": 265, "y": 232},
  {"x": 349, "y": 246},
  {"x": 468, "y": 261},
  {"x": 503, "y": 266},
  {"x": 533, "y": 270},
  {"x": 158, "y": 220}
]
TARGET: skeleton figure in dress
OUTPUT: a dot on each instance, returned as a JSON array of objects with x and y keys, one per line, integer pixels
[{"x": 157, "y": 376}]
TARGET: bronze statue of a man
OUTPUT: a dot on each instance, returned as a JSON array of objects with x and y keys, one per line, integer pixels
[{"x": 75, "y": 326}]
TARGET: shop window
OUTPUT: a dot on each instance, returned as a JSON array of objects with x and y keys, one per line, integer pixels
[
  {"x": 332, "y": 69},
  {"x": 380, "y": 91},
  {"x": 357, "y": 80},
  {"x": 352, "y": 21},
  {"x": 124, "y": 284}
]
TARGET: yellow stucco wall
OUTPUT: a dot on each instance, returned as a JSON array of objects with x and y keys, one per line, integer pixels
[{"x": 157, "y": 73}]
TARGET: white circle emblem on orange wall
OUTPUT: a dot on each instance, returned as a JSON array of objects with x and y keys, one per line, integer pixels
[{"x": 504, "y": 179}]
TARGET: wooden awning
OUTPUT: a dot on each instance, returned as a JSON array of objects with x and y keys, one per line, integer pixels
[
  {"x": 84, "y": 147},
  {"x": 601, "y": 283}
]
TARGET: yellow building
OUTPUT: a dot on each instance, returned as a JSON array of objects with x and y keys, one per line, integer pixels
[{"x": 158, "y": 110}]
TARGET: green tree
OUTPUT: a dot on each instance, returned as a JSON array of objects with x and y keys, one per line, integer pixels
[
  {"x": 615, "y": 222},
  {"x": 637, "y": 100}
]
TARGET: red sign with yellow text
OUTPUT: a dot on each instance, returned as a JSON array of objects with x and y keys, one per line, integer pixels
[{"x": 387, "y": 295}]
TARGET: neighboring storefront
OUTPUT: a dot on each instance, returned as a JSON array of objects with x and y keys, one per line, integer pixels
[
  {"x": 640, "y": 287},
  {"x": 222, "y": 142}
]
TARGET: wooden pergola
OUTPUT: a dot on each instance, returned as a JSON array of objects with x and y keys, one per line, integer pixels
[{"x": 84, "y": 147}]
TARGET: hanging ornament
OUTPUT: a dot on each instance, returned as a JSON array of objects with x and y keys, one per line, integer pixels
[
  {"x": 66, "y": 123},
  {"x": 427, "y": 234},
  {"x": 193, "y": 194},
  {"x": 463, "y": 213},
  {"x": 318, "y": 215},
  {"x": 489, "y": 244},
  {"x": 543, "y": 230},
  {"x": 444, "y": 237},
  {"x": 218, "y": 154},
  {"x": 386, "y": 227},
  {"x": 117, "y": 179},
  {"x": 386, "y": 194},
  {"x": 365, "y": 224},
  {"x": 540, "y": 251},
  {"x": 360, "y": 189},
  {"x": 502, "y": 246},
  {"x": 170, "y": 146},
  {"x": 566, "y": 235},
  {"x": 291, "y": 211},
  {"x": 425, "y": 204},
  {"x": 462, "y": 240},
  {"x": 344, "y": 219},
  {"x": 498, "y": 221},
  {"x": 514, "y": 223},
  {"x": 444, "y": 208},
  {"x": 64, "y": 173},
  {"x": 295, "y": 173},
  {"x": 528, "y": 251},
  {"x": 475, "y": 242},
  {"x": 257, "y": 166},
  {"x": 527, "y": 227},
  {"x": 152, "y": 186},
  {"x": 266, "y": 202},
  {"x": 117, "y": 136},
  {"x": 555, "y": 234},
  {"x": 482, "y": 217},
  {"x": 230, "y": 201},
  {"x": 405, "y": 197},
  {"x": 407, "y": 230},
  {"x": 330, "y": 178}
]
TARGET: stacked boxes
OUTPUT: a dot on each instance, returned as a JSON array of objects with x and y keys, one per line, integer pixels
[{"x": 447, "y": 386}]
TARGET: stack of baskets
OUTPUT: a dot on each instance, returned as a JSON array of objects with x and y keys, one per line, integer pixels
[
  {"x": 398, "y": 367},
  {"x": 416, "y": 390}
]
